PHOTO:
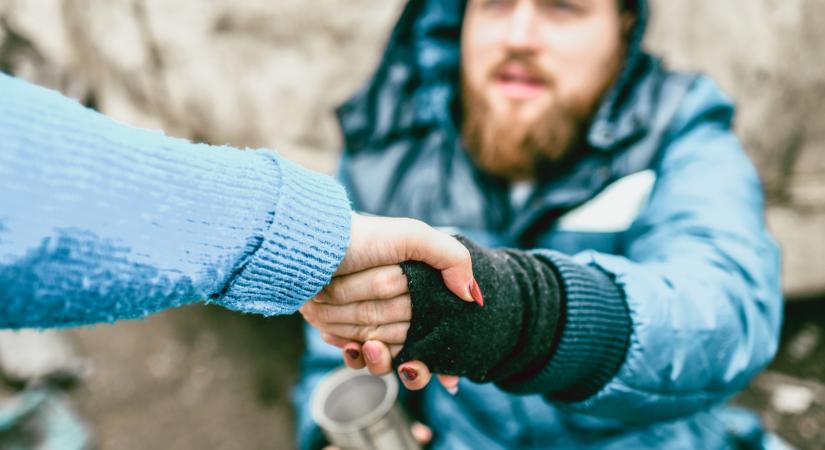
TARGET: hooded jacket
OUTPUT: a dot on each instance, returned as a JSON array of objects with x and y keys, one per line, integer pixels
[{"x": 661, "y": 199}]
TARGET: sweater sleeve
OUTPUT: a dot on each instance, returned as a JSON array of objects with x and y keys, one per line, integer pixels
[{"x": 100, "y": 221}]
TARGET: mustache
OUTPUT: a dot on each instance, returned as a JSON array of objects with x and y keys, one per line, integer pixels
[{"x": 527, "y": 61}]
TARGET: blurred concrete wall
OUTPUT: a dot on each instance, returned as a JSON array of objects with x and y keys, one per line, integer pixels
[
  {"x": 250, "y": 73},
  {"x": 266, "y": 73},
  {"x": 768, "y": 55}
]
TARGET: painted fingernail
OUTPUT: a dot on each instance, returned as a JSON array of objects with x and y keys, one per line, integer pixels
[
  {"x": 409, "y": 374},
  {"x": 353, "y": 354},
  {"x": 372, "y": 354},
  {"x": 475, "y": 292}
]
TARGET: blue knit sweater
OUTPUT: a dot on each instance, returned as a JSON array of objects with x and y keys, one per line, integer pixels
[{"x": 100, "y": 221}]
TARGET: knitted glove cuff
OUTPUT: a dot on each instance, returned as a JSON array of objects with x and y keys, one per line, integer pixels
[{"x": 510, "y": 337}]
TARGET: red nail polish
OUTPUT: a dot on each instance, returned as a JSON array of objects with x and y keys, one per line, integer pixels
[
  {"x": 353, "y": 354},
  {"x": 409, "y": 373},
  {"x": 475, "y": 292}
]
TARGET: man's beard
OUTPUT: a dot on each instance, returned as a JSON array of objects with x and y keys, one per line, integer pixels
[{"x": 515, "y": 149}]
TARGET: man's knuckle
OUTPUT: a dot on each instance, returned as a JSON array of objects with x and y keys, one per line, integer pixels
[
  {"x": 399, "y": 333},
  {"x": 323, "y": 314},
  {"x": 362, "y": 315},
  {"x": 364, "y": 333},
  {"x": 307, "y": 311},
  {"x": 336, "y": 291},
  {"x": 382, "y": 285},
  {"x": 371, "y": 313},
  {"x": 396, "y": 307},
  {"x": 371, "y": 332},
  {"x": 367, "y": 314}
]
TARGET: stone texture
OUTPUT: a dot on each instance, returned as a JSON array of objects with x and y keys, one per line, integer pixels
[
  {"x": 266, "y": 73},
  {"x": 253, "y": 73},
  {"x": 790, "y": 394},
  {"x": 767, "y": 55}
]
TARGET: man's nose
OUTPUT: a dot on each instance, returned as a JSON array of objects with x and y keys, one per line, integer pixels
[{"x": 522, "y": 27}]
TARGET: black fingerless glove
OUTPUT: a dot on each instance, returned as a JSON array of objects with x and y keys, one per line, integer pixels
[{"x": 508, "y": 339}]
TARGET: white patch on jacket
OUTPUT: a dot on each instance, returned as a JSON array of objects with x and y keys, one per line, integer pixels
[{"x": 614, "y": 209}]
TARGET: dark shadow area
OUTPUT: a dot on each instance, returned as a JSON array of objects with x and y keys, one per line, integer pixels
[{"x": 790, "y": 394}]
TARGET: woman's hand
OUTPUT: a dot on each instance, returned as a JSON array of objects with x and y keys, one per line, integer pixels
[{"x": 367, "y": 315}]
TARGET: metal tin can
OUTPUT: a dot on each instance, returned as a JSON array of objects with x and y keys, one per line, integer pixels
[{"x": 359, "y": 411}]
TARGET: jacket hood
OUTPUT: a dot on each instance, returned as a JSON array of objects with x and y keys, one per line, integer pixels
[{"x": 416, "y": 82}]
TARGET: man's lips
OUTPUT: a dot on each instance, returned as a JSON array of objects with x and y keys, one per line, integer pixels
[{"x": 518, "y": 82}]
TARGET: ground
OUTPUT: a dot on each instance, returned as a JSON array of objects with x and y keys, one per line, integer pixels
[
  {"x": 193, "y": 378},
  {"x": 201, "y": 377},
  {"x": 790, "y": 395}
]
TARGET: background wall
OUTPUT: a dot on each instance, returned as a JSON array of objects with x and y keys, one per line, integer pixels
[
  {"x": 266, "y": 73},
  {"x": 263, "y": 73},
  {"x": 768, "y": 55}
]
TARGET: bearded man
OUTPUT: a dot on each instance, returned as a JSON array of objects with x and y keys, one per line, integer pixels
[{"x": 615, "y": 223}]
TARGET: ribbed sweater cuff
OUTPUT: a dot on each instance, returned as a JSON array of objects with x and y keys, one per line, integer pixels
[
  {"x": 302, "y": 248},
  {"x": 594, "y": 338}
]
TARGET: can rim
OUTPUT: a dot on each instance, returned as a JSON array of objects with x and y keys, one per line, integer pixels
[{"x": 334, "y": 379}]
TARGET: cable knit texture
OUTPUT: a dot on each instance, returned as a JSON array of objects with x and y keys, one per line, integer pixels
[{"x": 100, "y": 221}]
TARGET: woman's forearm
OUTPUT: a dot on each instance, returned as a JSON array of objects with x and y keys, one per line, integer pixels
[{"x": 100, "y": 221}]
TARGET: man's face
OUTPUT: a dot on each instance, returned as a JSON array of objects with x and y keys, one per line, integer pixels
[{"x": 533, "y": 73}]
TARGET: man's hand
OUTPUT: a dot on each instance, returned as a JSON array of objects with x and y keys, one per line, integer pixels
[{"x": 372, "y": 307}]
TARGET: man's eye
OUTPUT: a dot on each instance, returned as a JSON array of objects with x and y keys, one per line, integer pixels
[
  {"x": 566, "y": 6},
  {"x": 496, "y": 5}
]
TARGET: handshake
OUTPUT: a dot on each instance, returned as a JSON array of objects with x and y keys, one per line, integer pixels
[
  {"x": 366, "y": 309},
  {"x": 405, "y": 297}
]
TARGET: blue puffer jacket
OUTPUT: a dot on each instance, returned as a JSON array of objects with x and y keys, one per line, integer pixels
[{"x": 662, "y": 199}]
